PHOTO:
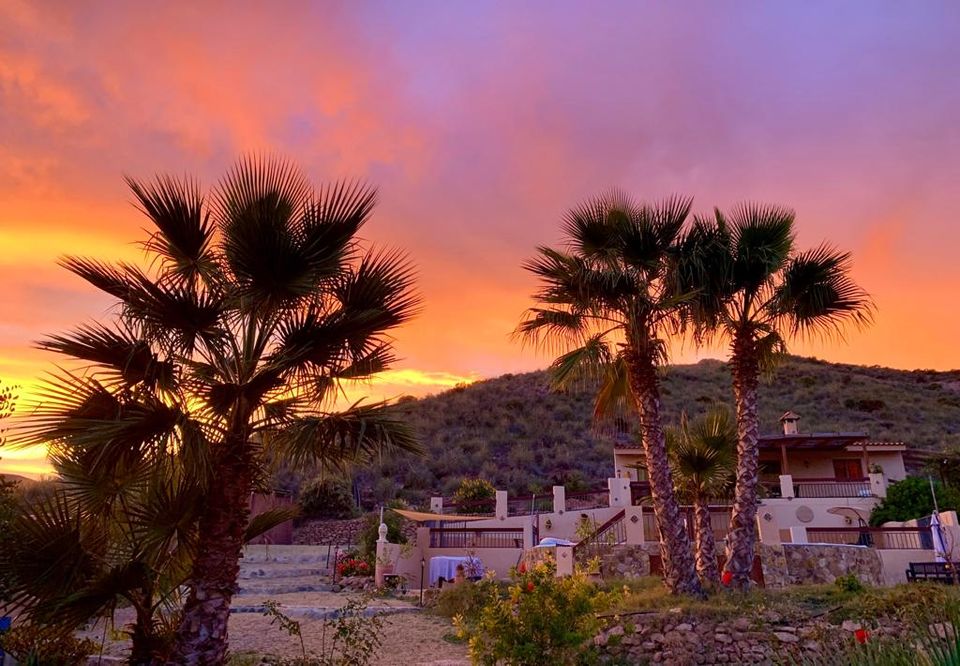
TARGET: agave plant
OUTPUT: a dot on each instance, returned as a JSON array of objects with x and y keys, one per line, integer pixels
[{"x": 228, "y": 349}]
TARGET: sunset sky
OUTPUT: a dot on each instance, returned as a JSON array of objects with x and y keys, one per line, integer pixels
[{"x": 481, "y": 122}]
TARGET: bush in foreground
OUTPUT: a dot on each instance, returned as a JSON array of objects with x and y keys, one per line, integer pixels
[{"x": 538, "y": 619}]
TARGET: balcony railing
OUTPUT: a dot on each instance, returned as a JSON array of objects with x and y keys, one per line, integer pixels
[
  {"x": 883, "y": 538},
  {"x": 719, "y": 521},
  {"x": 467, "y": 537},
  {"x": 831, "y": 487}
]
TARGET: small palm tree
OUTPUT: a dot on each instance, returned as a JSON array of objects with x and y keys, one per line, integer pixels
[
  {"x": 610, "y": 300},
  {"x": 756, "y": 291},
  {"x": 702, "y": 454},
  {"x": 228, "y": 350}
]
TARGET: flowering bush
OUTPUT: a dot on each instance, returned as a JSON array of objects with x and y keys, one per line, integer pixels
[
  {"x": 537, "y": 619},
  {"x": 349, "y": 564}
]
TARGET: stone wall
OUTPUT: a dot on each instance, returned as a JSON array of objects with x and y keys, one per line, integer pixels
[
  {"x": 628, "y": 561},
  {"x": 802, "y": 564},
  {"x": 676, "y": 637},
  {"x": 787, "y": 564}
]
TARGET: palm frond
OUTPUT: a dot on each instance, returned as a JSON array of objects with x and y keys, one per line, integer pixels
[
  {"x": 817, "y": 294},
  {"x": 184, "y": 230},
  {"x": 265, "y": 521},
  {"x": 588, "y": 362},
  {"x": 176, "y": 314},
  {"x": 118, "y": 350},
  {"x": 335, "y": 439},
  {"x": 762, "y": 242}
]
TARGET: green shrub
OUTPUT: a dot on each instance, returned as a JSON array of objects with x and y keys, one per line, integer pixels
[
  {"x": 849, "y": 583},
  {"x": 36, "y": 645},
  {"x": 475, "y": 496},
  {"x": 327, "y": 498},
  {"x": 371, "y": 530},
  {"x": 910, "y": 499},
  {"x": 538, "y": 619},
  {"x": 464, "y": 600}
]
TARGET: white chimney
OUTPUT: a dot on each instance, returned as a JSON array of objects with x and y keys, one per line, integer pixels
[{"x": 790, "y": 423}]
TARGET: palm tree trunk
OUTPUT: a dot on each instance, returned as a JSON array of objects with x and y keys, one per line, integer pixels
[
  {"x": 706, "y": 548},
  {"x": 202, "y": 634},
  {"x": 678, "y": 566},
  {"x": 741, "y": 538}
]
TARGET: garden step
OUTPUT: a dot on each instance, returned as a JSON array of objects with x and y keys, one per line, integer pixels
[
  {"x": 308, "y": 555},
  {"x": 323, "y": 612},
  {"x": 288, "y": 585},
  {"x": 272, "y": 570}
]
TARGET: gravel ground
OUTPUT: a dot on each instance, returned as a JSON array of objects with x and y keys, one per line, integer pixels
[{"x": 409, "y": 638}]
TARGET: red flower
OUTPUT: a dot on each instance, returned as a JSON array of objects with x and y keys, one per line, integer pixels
[
  {"x": 530, "y": 586},
  {"x": 861, "y": 636},
  {"x": 726, "y": 578},
  {"x": 522, "y": 568}
]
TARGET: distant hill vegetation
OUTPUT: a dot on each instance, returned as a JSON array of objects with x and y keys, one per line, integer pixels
[{"x": 522, "y": 436}]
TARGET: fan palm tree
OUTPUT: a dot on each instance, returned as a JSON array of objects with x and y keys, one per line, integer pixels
[
  {"x": 609, "y": 300},
  {"x": 229, "y": 349},
  {"x": 756, "y": 291},
  {"x": 98, "y": 541},
  {"x": 702, "y": 454}
]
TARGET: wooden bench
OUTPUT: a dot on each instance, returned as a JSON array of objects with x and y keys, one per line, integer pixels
[{"x": 934, "y": 572}]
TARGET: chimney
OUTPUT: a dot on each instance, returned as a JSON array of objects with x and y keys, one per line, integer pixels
[{"x": 790, "y": 423}]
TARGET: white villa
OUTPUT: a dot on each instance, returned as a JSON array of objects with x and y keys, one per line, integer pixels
[{"x": 818, "y": 492}]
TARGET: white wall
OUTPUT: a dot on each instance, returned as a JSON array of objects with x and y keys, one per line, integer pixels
[{"x": 784, "y": 510}]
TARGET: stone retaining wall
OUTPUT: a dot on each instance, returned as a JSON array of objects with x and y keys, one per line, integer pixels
[
  {"x": 788, "y": 564},
  {"x": 678, "y": 638}
]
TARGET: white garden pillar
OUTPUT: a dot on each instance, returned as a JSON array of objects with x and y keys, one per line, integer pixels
[
  {"x": 559, "y": 499},
  {"x": 502, "y": 508},
  {"x": 565, "y": 565},
  {"x": 381, "y": 561},
  {"x": 619, "y": 489},
  {"x": 436, "y": 505},
  {"x": 634, "y": 517},
  {"x": 878, "y": 484},
  {"x": 528, "y": 533},
  {"x": 768, "y": 529},
  {"x": 786, "y": 485}
]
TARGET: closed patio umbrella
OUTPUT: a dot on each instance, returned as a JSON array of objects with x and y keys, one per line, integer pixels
[{"x": 939, "y": 543}]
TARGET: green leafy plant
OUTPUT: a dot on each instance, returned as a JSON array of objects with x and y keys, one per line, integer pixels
[
  {"x": 538, "y": 619},
  {"x": 911, "y": 498},
  {"x": 327, "y": 498},
  {"x": 367, "y": 541},
  {"x": 475, "y": 496},
  {"x": 355, "y": 635},
  {"x": 849, "y": 583},
  {"x": 39, "y": 645}
]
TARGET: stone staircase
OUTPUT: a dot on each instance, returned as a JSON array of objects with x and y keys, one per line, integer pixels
[{"x": 277, "y": 570}]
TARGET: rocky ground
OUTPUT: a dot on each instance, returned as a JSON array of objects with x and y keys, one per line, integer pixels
[{"x": 298, "y": 578}]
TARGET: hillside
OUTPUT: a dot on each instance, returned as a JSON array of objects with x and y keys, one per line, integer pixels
[{"x": 516, "y": 432}]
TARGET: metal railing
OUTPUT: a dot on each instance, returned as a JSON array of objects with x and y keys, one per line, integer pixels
[
  {"x": 479, "y": 537},
  {"x": 530, "y": 505},
  {"x": 882, "y": 538},
  {"x": 591, "y": 499},
  {"x": 830, "y": 487},
  {"x": 611, "y": 533},
  {"x": 719, "y": 521}
]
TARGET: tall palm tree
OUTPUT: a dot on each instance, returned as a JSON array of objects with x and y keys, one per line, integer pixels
[
  {"x": 756, "y": 291},
  {"x": 702, "y": 454},
  {"x": 258, "y": 301},
  {"x": 609, "y": 299}
]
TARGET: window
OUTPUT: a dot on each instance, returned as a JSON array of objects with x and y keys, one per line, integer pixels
[{"x": 847, "y": 468}]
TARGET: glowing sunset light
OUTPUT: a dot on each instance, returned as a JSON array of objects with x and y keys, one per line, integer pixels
[{"x": 481, "y": 123}]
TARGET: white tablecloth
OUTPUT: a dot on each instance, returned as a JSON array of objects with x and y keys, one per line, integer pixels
[{"x": 446, "y": 567}]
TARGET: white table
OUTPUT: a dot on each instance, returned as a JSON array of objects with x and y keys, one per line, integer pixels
[{"x": 444, "y": 566}]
